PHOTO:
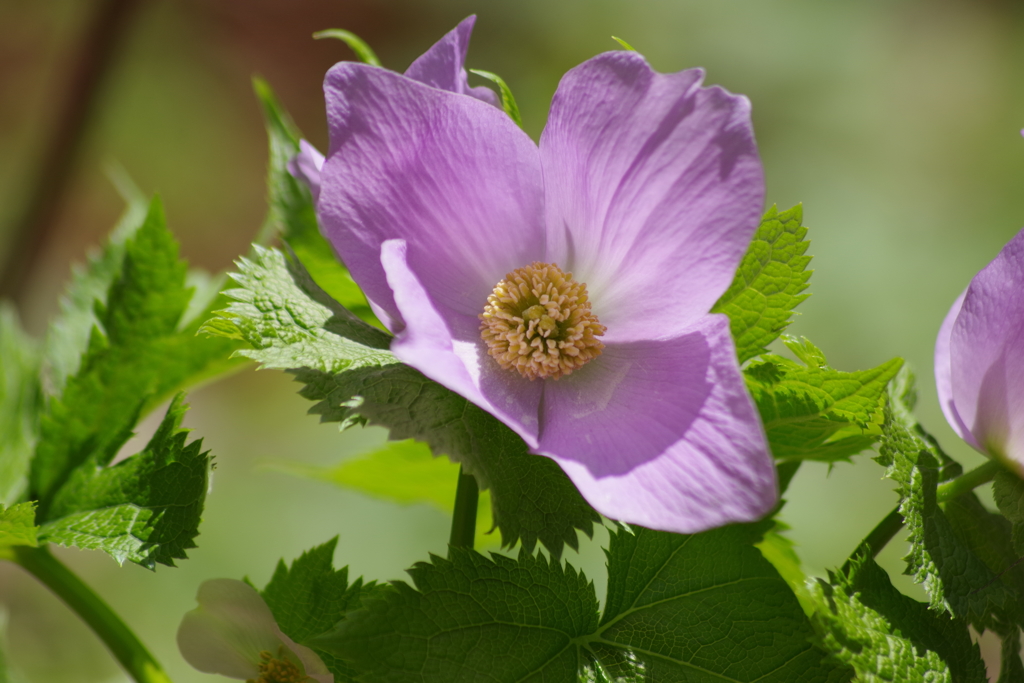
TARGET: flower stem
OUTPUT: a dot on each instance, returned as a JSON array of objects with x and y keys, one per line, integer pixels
[
  {"x": 464, "y": 516},
  {"x": 893, "y": 522},
  {"x": 123, "y": 644},
  {"x": 968, "y": 481}
]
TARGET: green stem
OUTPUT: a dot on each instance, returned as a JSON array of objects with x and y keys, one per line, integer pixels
[
  {"x": 467, "y": 495},
  {"x": 893, "y": 522},
  {"x": 879, "y": 537},
  {"x": 968, "y": 481},
  {"x": 123, "y": 644}
]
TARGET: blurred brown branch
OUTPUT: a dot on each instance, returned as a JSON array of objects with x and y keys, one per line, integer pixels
[{"x": 88, "y": 68}]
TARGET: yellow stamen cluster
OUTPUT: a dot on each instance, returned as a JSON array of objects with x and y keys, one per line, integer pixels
[
  {"x": 274, "y": 670},
  {"x": 538, "y": 322}
]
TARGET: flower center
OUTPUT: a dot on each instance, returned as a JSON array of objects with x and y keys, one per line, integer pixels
[
  {"x": 538, "y": 322},
  {"x": 274, "y": 670}
]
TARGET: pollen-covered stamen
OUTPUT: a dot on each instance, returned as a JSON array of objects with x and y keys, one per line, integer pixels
[
  {"x": 278, "y": 670},
  {"x": 538, "y": 322}
]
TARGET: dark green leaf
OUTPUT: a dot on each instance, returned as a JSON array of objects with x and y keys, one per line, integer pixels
[
  {"x": 946, "y": 562},
  {"x": 1008, "y": 491},
  {"x": 768, "y": 283},
  {"x": 812, "y": 412},
  {"x": 703, "y": 607},
  {"x": 309, "y": 597},
  {"x": 472, "y": 618},
  {"x": 145, "y": 509},
  {"x": 1011, "y": 670}
]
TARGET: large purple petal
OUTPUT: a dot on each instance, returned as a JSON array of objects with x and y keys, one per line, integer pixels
[
  {"x": 663, "y": 433},
  {"x": 987, "y": 356},
  {"x": 442, "y": 66},
  {"x": 943, "y": 374},
  {"x": 453, "y": 177},
  {"x": 451, "y": 352},
  {"x": 654, "y": 189}
]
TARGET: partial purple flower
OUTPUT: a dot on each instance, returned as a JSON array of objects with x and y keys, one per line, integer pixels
[
  {"x": 979, "y": 359},
  {"x": 566, "y": 288},
  {"x": 442, "y": 66},
  {"x": 233, "y": 633}
]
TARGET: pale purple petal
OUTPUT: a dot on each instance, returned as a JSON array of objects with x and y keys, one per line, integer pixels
[
  {"x": 663, "y": 433},
  {"x": 450, "y": 351},
  {"x": 442, "y": 66},
  {"x": 455, "y": 178},
  {"x": 312, "y": 665},
  {"x": 987, "y": 356},
  {"x": 305, "y": 166},
  {"x": 654, "y": 190},
  {"x": 943, "y": 378},
  {"x": 229, "y": 629}
]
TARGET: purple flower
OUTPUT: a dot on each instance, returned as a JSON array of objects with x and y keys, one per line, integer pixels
[
  {"x": 979, "y": 359},
  {"x": 233, "y": 633},
  {"x": 566, "y": 288}
]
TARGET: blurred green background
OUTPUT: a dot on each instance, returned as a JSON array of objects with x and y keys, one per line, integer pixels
[{"x": 895, "y": 122}]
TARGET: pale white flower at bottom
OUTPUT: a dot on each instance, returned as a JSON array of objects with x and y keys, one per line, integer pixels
[{"x": 234, "y": 634}]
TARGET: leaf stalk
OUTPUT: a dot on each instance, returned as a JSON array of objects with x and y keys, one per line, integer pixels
[
  {"x": 123, "y": 644},
  {"x": 467, "y": 495}
]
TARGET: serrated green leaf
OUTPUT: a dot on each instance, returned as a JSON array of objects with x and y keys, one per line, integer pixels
[
  {"x": 70, "y": 331},
  {"x": 310, "y": 597},
  {"x": 1011, "y": 669},
  {"x": 866, "y": 640},
  {"x": 140, "y": 352},
  {"x": 706, "y": 606},
  {"x": 778, "y": 550},
  {"x": 768, "y": 284},
  {"x": 702, "y": 607},
  {"x": 145, "y": 509},
  {"x": 18, "y": 526},
  {"x": 355, "y": 43},
  {"x": 472, "y": 618},
  {"x": 20, "y": 404},
  {"x": 404, "y": 472},
  {"x": 812, "y": 412},
  {"x": 1008, "y": 491},
  {"x": 956, "y": 579},
  {"x": 292, "y": 214},
  {"x": 293, "y": 324},
  {"x": 508, "y": 102}
]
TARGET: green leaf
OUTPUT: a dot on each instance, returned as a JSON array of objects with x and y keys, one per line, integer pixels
[
  {"x": 472, "y": 618},
  {"x": 20, "y": 404},
  {"x": 69, "y": 333},
  {"x": 768, "y": 283},
  {"x": 403, "y": 472},
  {"x": 354, "y": 42},
  {"x": 146, "y": 508},
  {"x": 888, "y": 640},
  {"x": 310, "y": 597},
  {"x": 706, "y": 606},
  {"x": 703, "y": 607},
  {"x": 292, "y": 214},
  {"x": 140, "y": 353},
  {"x": 1008, "y": 491},
  {"x": 345, "y": 368},
  {"x": 508, "y": 102},
  {"x": 1011, "y": 669},
  {"x": 946, "y": 562},
  {"x": 778, "y": 550},
  {"x": 812, "y": 412},
  {"x": 18, "y": 526}
]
